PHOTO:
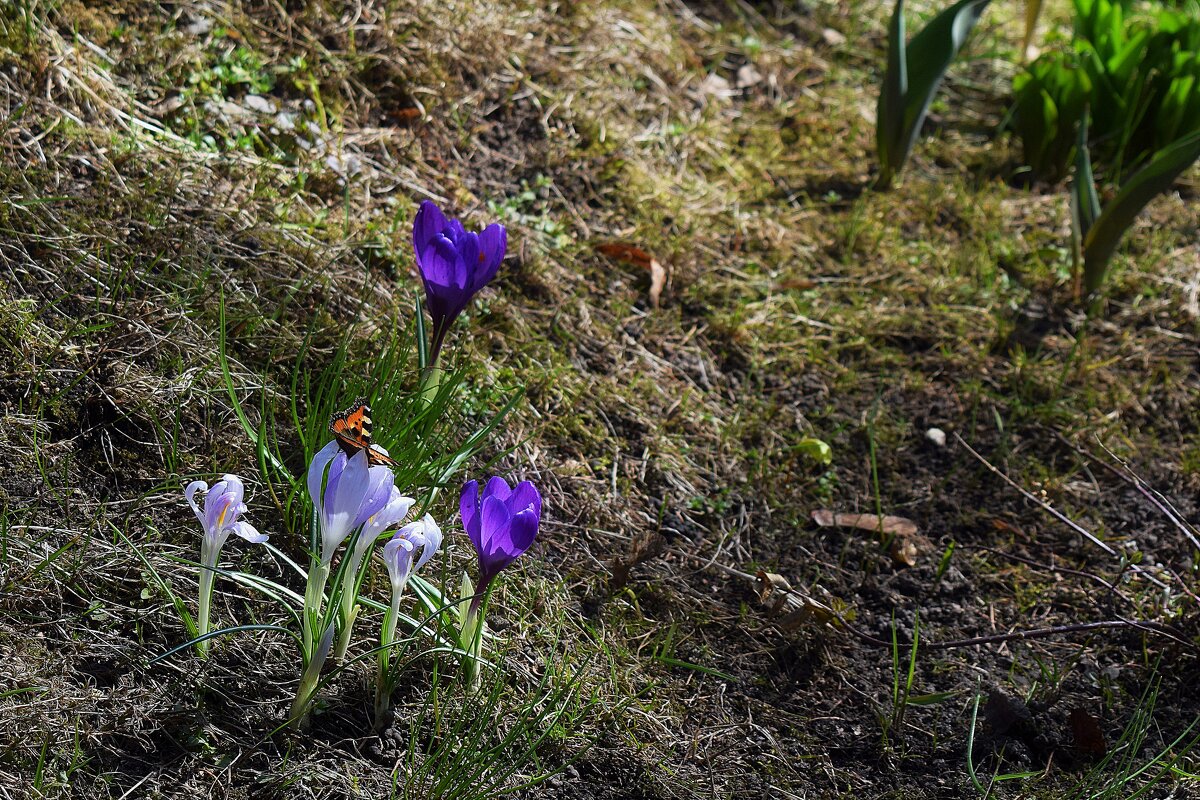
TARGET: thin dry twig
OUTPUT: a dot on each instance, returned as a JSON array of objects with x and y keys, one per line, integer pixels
[{"x": 1054, "y": 512}]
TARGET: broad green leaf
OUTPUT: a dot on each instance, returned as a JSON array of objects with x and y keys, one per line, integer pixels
[
  {"x": 1151, "y": 181},
  {"x": 816, "y": 449},
  {"x": 1051, "y": 95},
  {"x": 889, "y": 115},
  {"x": 914, "y": 72}
]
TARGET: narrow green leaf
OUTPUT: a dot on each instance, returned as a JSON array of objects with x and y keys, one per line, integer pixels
[
  {"x": 932, "y": 699},
  {"x": 1155, "y": 178},
  {"x": 1085, "y": 205},
  {"x": 889, "y": 116}
]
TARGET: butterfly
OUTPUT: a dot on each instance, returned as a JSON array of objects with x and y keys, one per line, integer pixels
[{"x": 352, "y": 429}]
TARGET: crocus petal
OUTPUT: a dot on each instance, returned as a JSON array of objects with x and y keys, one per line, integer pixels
[
  {"x": 497, "y": 487},
  {"x": 398, "y": 555},
  {"x": 190, "y": 494},
  {"x": 522, "y": 531},
  {"x": 230, "y": 504},
  {"x": 525, "y": 495},
  {"x": 494, "y": 522},
  {"x": 433, "y": 540},
  {"x": 316, "y": 470},
  {"x": 493, "y": 242},
  {"x": 336, "y": 467},
  {"x": 429, "y": 222},
  {"x": 468, "y": 257},
  {"x": 381, "y": 483},
  {"x": 344, "y": 496},
  {"x": 468, "y": 509},
  {"x": 247, "y": 532},
  {"x": 216, "y": 503},
  {"x": 438, "y": 264}
]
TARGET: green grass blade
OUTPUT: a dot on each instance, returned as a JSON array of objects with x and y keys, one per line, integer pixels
[
  {"x": 1155, "y": 178},
  {"x": 251, "y": 431}
]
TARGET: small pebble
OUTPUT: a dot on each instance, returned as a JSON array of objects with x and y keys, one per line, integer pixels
[{"x": 937, "y": 436}]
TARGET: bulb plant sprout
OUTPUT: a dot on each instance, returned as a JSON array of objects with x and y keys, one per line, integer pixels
[
  {"x": 223, "y": 506},
  {"x": 402, "y": 560},
  {"x": 502, "y": 524},
  {"x": 914, "y": 71}
]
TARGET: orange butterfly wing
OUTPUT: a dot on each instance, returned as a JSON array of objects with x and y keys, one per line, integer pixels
[{"x": 352, "y": 429}]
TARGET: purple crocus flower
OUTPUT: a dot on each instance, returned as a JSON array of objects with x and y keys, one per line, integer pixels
[
  {"x": 455, "y": 264},
  {"x": 502, "y": 523}
]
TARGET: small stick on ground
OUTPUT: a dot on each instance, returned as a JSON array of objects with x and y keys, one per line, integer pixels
[{"x": 1054, "y": 512}]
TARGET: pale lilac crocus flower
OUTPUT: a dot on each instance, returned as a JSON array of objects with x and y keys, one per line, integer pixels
[
  {"x": 345, "y": 491},
  {"x": 223, "y": 505},
  {"x": 402, "y": 560},
  {"x": 344, "y": 498}
]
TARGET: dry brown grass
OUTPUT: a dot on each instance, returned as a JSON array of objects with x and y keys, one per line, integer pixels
[{"x": 732, "y": 142}]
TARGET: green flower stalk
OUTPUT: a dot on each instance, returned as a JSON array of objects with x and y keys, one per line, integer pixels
[
  {"x": 392, "y": 513},
  {"x": 400, "y": 556},
  {"x": 306, "y": 692},
  {"x": 219, "y": 517}
]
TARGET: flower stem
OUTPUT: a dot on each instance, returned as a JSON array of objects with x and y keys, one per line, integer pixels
[
  {"x": 339, "y": 654},
  {"x": 208, "y": 564},
  {"x": 307, "y": 690},
  {"x": 441, "y": 328},
  {"x": 383, "y": 682},
  {"x": 473, "y": 628},
  {"x": 314, "y": 593},
  {"x": 348, "y": 611}
]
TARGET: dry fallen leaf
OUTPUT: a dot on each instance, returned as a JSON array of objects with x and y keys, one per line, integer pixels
[
  {"x": 887, "y": 525},
  {"x": 799, "y": 284},
  {"x": 901, "y": 532},
  {"x": 791, "y": 610},
  {"x": 645, "y": 545},
  {"x": 629, "y": 254}
]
